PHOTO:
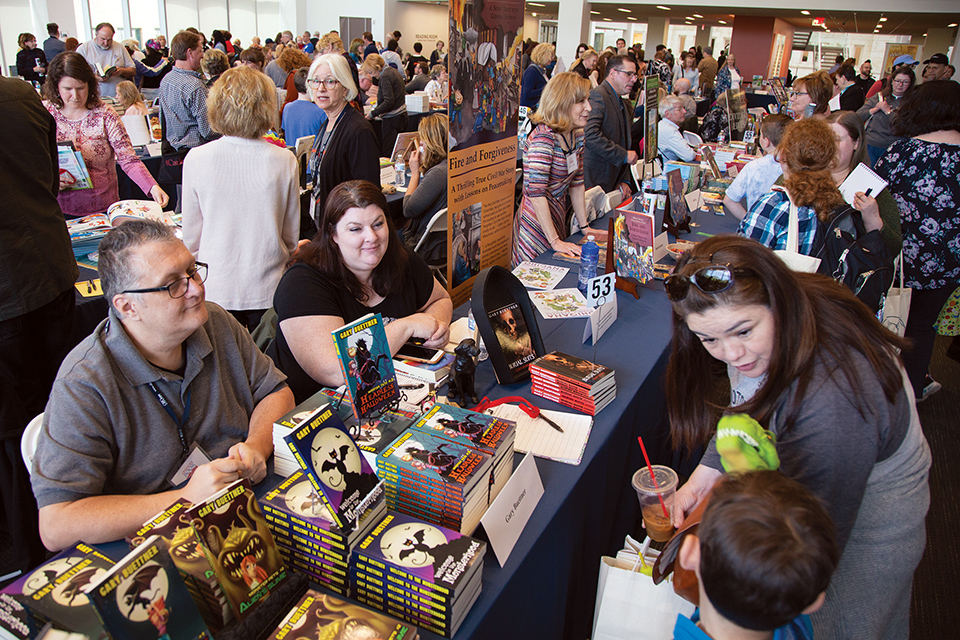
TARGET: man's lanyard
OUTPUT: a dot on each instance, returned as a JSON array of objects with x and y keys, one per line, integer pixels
[{"x": 180, "y": 422}]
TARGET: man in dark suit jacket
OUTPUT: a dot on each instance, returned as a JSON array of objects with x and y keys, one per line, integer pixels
[
  {"x": 851, "y": 95},
  {"x": 607, "y": 138}
]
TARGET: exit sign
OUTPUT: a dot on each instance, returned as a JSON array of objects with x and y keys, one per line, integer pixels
[{"x": 819, "y": 22}]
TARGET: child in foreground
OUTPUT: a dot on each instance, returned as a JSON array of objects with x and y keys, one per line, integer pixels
[{"x": 763, "y": 555}]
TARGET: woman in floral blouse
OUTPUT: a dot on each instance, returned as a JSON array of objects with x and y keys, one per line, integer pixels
[
  {"x": 73, "y": 98},
  {"x": 923, "y": 169}
]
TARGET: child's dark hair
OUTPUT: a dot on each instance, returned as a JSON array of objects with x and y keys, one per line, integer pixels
[
  {"x": 767, "y": 549},
  {"x": 773, "y": 126}
]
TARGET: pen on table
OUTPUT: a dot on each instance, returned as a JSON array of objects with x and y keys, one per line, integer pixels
[{"x": 550, "y": 422}]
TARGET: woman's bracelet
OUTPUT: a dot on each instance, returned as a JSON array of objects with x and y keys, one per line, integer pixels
[{"x": 584, "y": 226}]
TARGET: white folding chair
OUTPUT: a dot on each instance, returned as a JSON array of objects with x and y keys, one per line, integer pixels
[
  {"x": 28, "y": 442},
  {"x": 692, "y": 139}
]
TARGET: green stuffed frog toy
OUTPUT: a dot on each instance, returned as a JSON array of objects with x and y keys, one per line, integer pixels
[{"x": 744, "y": 445}]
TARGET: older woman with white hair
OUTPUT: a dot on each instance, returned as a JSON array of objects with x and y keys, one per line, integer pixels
[
  {"x": 346, "y": 149},
  {"x": 241, "y": 197}
]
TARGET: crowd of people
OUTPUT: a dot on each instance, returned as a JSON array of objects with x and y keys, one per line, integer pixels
[{"x": 797, "y": 351}]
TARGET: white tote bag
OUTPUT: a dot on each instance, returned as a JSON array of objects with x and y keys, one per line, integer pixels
[
  {"x": 791, "y": 256},
  {"x": 896, "y": 306},
  {"x": 631, "y": 607}
]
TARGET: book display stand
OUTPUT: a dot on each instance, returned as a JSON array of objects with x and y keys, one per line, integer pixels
[
  {"x": 624, "y": 284},
  {"x": 505, "y": 317}
]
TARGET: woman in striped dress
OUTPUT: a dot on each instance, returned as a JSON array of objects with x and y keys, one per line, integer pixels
[{"x": 552, "y": 166}]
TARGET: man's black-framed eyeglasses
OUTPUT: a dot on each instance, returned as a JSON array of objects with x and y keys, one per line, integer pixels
[{"x": 178, "y": 288}]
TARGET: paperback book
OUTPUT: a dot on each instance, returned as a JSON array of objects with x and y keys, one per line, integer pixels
[
  {"x": 320, "y": 615},
  {"x": 143, "y": 596},
  {"x": 333, "y": 463},
  {"x": 245, "y": 556},
  {"x": 366, "y": 363},
  {"x": 55, "y": 591}
]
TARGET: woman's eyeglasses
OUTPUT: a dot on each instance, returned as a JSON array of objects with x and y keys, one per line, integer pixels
[
  {"x": 713, "y": 278},
  {"x": 329, "y": 83}
]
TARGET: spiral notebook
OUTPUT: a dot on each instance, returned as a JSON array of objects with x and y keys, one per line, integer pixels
[{"x": 542, "y": 440}]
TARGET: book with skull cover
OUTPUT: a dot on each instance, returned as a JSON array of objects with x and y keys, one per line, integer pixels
[
  {"x": 144, "y": 597},
  {"x": 367, "y": 365},
  {"x": 340, "y": 474},
  {"x": 55, "y": 591},
  {"x": 246, "y": 560}
]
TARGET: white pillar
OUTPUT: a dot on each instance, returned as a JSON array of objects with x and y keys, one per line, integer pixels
[
  {"x": 573, "y": 27},
  {"x": 656, "y": 34}
]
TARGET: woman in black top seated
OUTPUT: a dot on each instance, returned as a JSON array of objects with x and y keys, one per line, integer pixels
[{"x": 355, "y": 265}]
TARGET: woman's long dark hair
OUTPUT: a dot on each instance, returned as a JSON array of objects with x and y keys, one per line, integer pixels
[
  {"x": 70, "y": 64},
  {"x": 323, "y": 254},
  {"x": 816, "y": 319}
]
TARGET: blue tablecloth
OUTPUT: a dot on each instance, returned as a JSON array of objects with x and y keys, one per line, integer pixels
[{"x": 548, "y": 587}]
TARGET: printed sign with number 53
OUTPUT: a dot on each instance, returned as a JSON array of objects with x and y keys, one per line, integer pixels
[{"x": 600, "y": 289}]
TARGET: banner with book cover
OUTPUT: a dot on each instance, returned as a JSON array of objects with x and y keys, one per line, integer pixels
[{"x": 484, "y": 66}]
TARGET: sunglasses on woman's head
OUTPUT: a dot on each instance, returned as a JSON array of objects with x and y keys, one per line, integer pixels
[{"x": 713, "y": 278}]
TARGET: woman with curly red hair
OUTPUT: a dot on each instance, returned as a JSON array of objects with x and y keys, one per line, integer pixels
[{"x": 806, "y": 153}]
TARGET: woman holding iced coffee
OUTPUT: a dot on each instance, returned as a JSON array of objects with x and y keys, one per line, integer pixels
[{"x": 800, "y": 354}]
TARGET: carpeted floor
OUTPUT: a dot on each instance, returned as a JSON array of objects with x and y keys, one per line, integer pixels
[{"x": 935, "y": 612}]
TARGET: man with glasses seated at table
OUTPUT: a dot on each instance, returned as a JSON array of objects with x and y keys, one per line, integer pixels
[
  {"x": 607, "y": 140},
  {"x": 166, "y": 386},
  {"x": 670, "y": 142}
]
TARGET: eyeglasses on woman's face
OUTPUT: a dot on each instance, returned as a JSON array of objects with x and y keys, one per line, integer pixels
[{"x": 329, "y": 83}]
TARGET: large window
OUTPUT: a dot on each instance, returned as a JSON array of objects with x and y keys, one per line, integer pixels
[
  {"x": 145, "y": 20},
  {"x": 106, "y": 11}
]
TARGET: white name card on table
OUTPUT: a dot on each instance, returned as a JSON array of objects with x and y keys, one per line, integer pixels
[
  {"x": 506, "y": 518},
  {"x": 154, "y": 149},
  {"x": 694, "y": 201},
  {"x": 600, "y": 320},
  {"x": 660, "y": 246}
]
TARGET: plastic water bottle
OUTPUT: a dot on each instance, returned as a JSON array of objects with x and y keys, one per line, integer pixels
[
  {"x": 722, "y": 137},
  {"x": 589, "y": 257},
  {"x": 401, "y": 170},
  {"x": 472, "y": 325}
]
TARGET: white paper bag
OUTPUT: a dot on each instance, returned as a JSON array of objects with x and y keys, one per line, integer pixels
[
  {"x": 791, "y": 255},
  {"x": 631, "y": 607},
  {"x": 896, "y": 306}
]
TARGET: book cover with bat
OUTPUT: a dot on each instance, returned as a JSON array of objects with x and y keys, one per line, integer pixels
[
  {"x": 341, "y": 476},
  {"x": 246, "y": 560},
  {"x": 54, "y": 591},
  {"x": 415, "y": 550},
  {"x": 364, "y": 355},
  {"x": 143, "y": 597}
]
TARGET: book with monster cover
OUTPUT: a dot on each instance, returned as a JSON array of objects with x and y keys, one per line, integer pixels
[
  {"x": 235, "y": 533},
  {"x": 320, "y": 615}
]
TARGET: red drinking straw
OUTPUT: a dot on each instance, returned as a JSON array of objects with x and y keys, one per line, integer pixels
[{"x": 666, "y": 514}]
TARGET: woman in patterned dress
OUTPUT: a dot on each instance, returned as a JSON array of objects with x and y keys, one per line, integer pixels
[
  {"x": 552, "y": 168},
  {"x": 923, "y": 168},
  {"x": 72, "y": 96}
]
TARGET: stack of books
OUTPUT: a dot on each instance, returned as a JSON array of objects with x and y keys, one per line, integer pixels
[
  {"x": 192, "y": 559},
  {"x": 573, "y": 382},
  {"x": 436, "y": 373},
  {"x": 434, "y": 479},
  {"x": 245, "y": 559},
  {"x": 55, "y": 592},
  {"x": 306, "y": 536},
  {"x": 478, "y": 431},
  {"x": 419, "y": 572},
  {"x": 321, "y": 615}
]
